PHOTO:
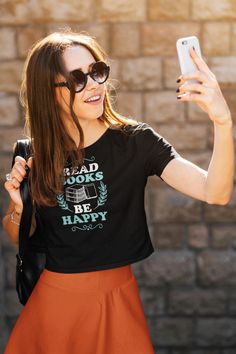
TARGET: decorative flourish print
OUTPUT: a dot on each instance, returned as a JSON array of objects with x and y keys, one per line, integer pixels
[
  {"x": 91, "y": 159},
  {"x": 62, "y": 203},
  {"x": 87, "y": 227},
  {"x": 102, "y": 196}
]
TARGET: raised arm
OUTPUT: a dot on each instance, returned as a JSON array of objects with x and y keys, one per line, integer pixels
[{"x": 215, "y": 185}]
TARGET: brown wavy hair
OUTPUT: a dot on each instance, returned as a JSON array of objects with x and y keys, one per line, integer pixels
[{"x": 51, "y": 143}]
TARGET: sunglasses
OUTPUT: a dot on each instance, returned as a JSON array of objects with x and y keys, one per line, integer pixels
[{"x": 99, "y": 73}]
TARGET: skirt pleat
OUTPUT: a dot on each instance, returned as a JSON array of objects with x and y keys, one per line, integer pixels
[{"x": 96, "y": 312}]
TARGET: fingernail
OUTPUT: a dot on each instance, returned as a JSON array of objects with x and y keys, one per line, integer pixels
[
  {"x": 178, "y": 81},
  {"x": 177, "y": 90}
]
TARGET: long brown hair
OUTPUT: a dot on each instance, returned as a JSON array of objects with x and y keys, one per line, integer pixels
[{"x": 51, "y": 143}]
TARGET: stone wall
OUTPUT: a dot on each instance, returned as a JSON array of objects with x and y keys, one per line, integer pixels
[{"x": 188, "y": 286}]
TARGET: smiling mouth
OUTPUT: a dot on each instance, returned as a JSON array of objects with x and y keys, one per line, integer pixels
[{"x": 95, "y": 98}]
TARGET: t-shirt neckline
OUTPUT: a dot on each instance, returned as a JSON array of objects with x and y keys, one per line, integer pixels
[{"x": 99, "y": 140}]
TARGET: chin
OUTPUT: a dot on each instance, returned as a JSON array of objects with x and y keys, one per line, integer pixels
[{"x": 91, "y": 117}]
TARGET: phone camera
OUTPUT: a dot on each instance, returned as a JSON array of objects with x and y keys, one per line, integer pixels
[{"x": 184, "y": 42}]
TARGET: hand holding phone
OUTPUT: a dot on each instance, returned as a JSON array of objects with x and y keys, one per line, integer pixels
[
  {"x": 199, "y": 84},
  {"x": 183, "y": 46}
]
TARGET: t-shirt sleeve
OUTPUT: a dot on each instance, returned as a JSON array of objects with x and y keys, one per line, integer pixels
[{"x": 159, "y": 152}]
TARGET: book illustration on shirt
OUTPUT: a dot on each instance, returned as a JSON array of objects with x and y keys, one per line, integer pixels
[
  {"x": 80, "y": 192},
  {"x": 84, "y": 195}
]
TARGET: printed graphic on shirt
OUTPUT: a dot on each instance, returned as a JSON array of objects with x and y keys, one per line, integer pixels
[{"x": 84, "y": 195}]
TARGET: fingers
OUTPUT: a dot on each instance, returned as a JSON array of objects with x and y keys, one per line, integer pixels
[
  {"x": 193, "y": 92},
  {"x": 30, "y": 162},
  {"x": 193, "y": 88},
  {"x": 203, "y": 74},
  {"x": 21, "y": 160},
  {"x": 18, "y": 172},
  {"x": 197, "y": 75},
  {"x": 193, "y": 97},
  {"x": 13, "y": 184},
  {"x": 20, "y": 168},
  {"x": 200, "y": 63}
]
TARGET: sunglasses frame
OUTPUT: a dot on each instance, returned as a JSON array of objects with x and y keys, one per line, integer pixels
[{"x": 90, "y": 73}]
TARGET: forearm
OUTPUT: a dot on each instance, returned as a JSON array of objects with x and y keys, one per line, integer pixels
[
  {"x": 220, "y": 176},
  {"x": 11, "y": 224}
]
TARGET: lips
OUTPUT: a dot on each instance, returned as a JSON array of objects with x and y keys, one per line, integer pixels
[{"x": 93, "y": 98}]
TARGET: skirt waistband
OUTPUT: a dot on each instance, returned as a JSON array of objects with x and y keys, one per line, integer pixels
[{"x": 100, "y": 280}]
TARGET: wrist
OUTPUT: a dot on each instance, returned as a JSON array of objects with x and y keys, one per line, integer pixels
[
  {"x": 225, "y": 121},
  {"x": 15, "y": 217},
  {"x": 227, "y": 125},
  {"x": 18, "y": 209}
]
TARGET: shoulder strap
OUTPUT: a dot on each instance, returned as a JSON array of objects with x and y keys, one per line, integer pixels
[{"x": 23, "y": 149}]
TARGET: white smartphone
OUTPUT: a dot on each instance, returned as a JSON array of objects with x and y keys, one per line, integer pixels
[{"x": 187, "y": 65}]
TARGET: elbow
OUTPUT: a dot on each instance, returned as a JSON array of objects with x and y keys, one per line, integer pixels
[
  {"x": 222, "y": 202},
  {"x": 216, "y": 202},
  {"x": 219, "y": 201}
]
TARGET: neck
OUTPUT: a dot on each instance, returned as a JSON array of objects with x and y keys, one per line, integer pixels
[{"x": 92, "y": 131}]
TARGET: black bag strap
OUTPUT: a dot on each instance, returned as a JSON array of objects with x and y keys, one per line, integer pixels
[{"x": 23, "y": 149}]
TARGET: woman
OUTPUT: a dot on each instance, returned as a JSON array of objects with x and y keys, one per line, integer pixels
[{"x": 88, "y": 174}]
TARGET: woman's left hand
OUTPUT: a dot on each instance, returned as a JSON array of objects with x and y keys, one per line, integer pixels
[{"x": 206, "y": 92}]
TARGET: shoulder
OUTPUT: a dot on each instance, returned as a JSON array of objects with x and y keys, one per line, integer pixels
[
  {"x": 139, "y": 130},
  {"x": 135, "y": 128},
  {"x": 143, "y": 133}
]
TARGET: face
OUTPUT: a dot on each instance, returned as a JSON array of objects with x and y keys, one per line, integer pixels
[{"x": 79, "y": 57}]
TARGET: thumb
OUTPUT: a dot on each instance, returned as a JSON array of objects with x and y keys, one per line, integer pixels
[{"x": 30, "y": 162}]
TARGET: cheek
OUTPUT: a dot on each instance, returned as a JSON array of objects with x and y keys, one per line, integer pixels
[
  {"x": 79, "y": 104},
  {"x": 63, "y": 100}
]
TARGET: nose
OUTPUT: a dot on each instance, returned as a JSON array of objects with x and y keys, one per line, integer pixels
[{"x": 91, "y": 84}]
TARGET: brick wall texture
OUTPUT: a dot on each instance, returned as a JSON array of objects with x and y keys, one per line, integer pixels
[{"x": 188, "y": 286}]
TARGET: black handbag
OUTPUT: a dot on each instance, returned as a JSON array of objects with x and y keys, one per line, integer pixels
[{"x": 31, "y": 256}]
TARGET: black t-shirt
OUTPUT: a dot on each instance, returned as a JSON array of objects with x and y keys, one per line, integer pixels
[{"x": 99, "y": 221}]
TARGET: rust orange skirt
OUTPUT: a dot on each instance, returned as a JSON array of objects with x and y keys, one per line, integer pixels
[{"x": 96, "y": 312}]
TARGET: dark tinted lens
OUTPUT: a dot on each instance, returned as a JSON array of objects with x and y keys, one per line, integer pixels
[
  {"x": 79, "y": 80},
  {"x": 100, "y": 72}
]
